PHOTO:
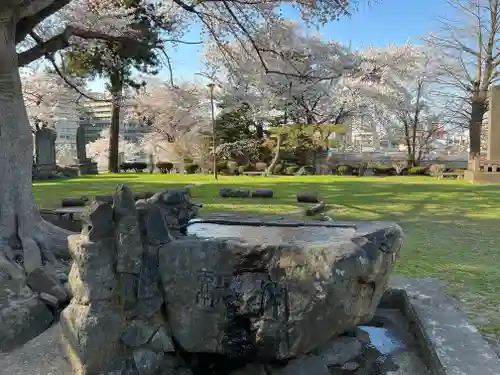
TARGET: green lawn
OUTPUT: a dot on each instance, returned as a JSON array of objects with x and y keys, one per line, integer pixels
[{"x": 451, "y": 227}]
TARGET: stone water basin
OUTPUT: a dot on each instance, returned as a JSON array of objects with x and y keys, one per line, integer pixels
[
  {"x": 389, "y": 333},
  {"x": 271, "y": 234}
]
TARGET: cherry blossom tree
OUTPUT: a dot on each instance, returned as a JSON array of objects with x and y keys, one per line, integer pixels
[
  {"x": 65, "y": 154},
  {"x": 48, "y": 98},
  {"x": 177, "y": 120},
  {"x": 403, "y": 101},
  {"x": 309, "y": 79},
  {"x": 35, "y": 29},
  {"x": 325, "y": 82},
  {"x": 98, "y": 150}
]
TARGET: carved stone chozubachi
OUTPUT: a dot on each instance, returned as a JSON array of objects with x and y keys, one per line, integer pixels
[{"x": 274, "y": 298}]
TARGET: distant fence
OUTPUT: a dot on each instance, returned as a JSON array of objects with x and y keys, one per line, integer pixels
[{"x": 387, "y": 159}]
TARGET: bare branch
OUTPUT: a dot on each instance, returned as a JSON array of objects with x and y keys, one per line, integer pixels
[
  {"x": 51, "y": 59},
  {"x": 169, "y": 65}
]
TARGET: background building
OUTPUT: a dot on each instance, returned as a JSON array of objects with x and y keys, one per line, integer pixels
[{"x": 98, "y": 118}]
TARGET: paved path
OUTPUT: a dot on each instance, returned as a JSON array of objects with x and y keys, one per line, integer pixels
[{"x": 40, "y": 356}]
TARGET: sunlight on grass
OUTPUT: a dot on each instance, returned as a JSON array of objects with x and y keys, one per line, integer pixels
[{"x": 451, "y": 227}]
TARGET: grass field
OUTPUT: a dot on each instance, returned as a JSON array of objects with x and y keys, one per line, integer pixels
[{"x": 451, "y": 227}]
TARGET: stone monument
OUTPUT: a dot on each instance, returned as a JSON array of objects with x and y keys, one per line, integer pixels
[
  {"x": 85, "y": 165},
  {"x": 488, "y": 171},
  {"x": 45, "y": 143}
]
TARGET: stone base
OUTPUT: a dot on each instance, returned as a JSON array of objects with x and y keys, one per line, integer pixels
[
  {"x": 87, "y": 168},
  {"x": 482, "y": 177},
  {"x": 450, "y": 344},
  {"x": 43, "y": 171}
]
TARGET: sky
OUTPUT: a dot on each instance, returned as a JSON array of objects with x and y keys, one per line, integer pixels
[{"x": 379, "y": 23}]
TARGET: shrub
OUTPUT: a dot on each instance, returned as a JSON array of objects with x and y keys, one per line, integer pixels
[
  {"x": 139, "y": 166},
  {"x": 125, "y": 167},
  {"x": 292, "y": 169},
  {"x": 135, "y": 166},
  {"x": 244, "y": 168},
  {"x": 164, "y": 166},
  {"x": 191, "y": 168},
  {"x": 344, "y": 170},
  {"x": 382, "y": 170},
  {"x": 416, "y": 171}
]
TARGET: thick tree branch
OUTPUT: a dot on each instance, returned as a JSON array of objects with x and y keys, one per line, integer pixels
[
  {"x": 61, "y": 41},
  {"x": 187, "y": 7},
  {"x": 32, "y": 7},
  {"x": 27, "y": 23}
]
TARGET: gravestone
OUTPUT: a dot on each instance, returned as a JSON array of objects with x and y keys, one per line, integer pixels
[
  {"x": 85, "y": 165},
  {"x": 45, "y": 141},
  {"x": 81, "y": 152}
]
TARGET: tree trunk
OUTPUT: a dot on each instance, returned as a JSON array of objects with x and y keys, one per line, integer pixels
[
  {"x": 114, "y": 131},
  {"x": 259, "y": 130},
  {"x": 276, "y": 158},
  {"x": 19, "y": 216},
  {"x": 476, "y": 121}
]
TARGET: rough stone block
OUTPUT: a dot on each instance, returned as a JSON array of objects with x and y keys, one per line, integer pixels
[
  {"x": 127, "y": 290},
  {"x": 92, "y": 336},
  {"x": 232, "y": 193},
  {"x": 95, "y": 283},
  {"x": 22, "y": 315},
  {"x": 303, "y": 366},
  {"x": 307, "y": 197},
  {"x": 138, "y": 333},
  {"x": 341, "y": 350},
  {"x": 129, "y": 245},
  {"x": 156, "y": 227},
  {"x": 147, "y": 361},
  {"x": 87, "y": 254},
  {"x": 251, "y": 369},
  {"x": 149, "y": 277},
  {"x": 123, "y": 202},
  {"x": 162, "y": 342},
  {"x": 98, "y": 221},
  {"x": 262, "y": 193}
]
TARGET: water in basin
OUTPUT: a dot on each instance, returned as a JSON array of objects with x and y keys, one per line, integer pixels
[
  {"x": 271, "y": 234},
  {"x": 392, "y": 338}
]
